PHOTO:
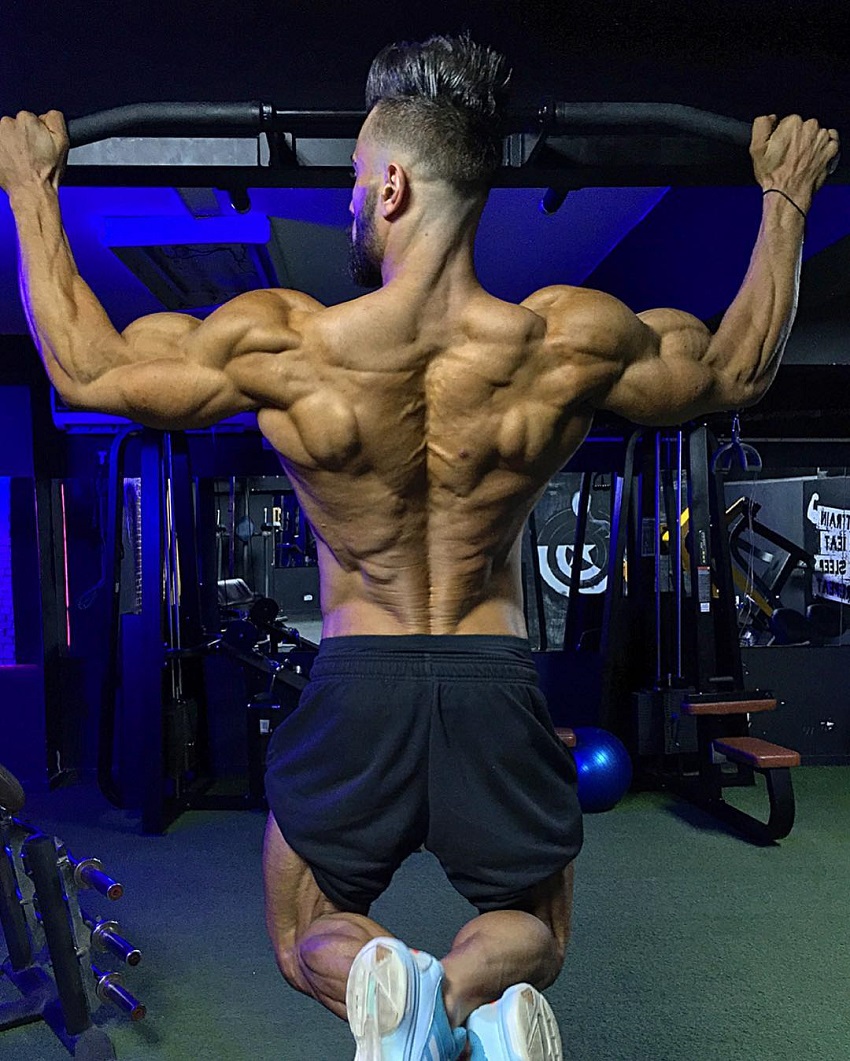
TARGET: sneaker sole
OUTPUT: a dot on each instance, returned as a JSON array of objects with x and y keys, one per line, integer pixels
[
  {"x": 376, "y": 999},
  {"x": 525, "y": 1031}
]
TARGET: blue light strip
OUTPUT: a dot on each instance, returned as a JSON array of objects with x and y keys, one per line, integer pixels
[
  {"x": 176, "y": 231},
  {"x": 7, "y": 608}
]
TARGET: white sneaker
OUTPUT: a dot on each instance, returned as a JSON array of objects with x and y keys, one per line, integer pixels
[
  {"x": 395, "y": 1005},
  {"x": 519, "y": 1027}
]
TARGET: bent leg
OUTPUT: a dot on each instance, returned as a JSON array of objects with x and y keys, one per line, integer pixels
[
  {"x": 315, "y": 942},
  {"x": 505, "y": 947}
]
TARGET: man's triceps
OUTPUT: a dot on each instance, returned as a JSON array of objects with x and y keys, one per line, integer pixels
[
  {"x": 179, "y": 372},
  {"x": 167, "y": 394},
  {"x": 667, "y": 375}
]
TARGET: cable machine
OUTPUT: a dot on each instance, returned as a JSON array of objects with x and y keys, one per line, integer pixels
[{"x": 671, "y": 678}]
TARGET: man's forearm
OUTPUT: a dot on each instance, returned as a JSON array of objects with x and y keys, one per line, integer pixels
[
  {"x": 74, "y": 336},
  {"x": 747, "y": 348}
]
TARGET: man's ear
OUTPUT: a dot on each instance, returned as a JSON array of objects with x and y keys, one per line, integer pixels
[{"x": 395, "y": 191}]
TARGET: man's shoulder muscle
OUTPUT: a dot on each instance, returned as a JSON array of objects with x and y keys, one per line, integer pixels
[
  {"x": 292, "y": 300},
  {"x": 270, "y": 320},
  {"x": 583, "y": 321},
  {"x": 268, "y": 307}
]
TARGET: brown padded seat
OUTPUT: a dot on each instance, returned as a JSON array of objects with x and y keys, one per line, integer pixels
[
  {"x": 728, "y": 707},
  {"x": 759, "y": 753},
  {"x": 566, "y": 735}
]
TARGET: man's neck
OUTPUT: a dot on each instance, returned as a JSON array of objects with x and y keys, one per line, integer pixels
[{"x": 433, "y": 255}]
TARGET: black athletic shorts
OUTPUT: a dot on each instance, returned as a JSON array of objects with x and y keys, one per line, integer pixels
[{"x": 444, "y": 741}]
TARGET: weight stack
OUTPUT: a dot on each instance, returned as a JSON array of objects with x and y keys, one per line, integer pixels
[
  {"x": 264, "y": 715},
  {"x": 660, "y": 726}
]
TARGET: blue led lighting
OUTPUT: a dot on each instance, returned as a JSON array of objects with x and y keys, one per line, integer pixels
[
  {"x": 174, "y": 231},
  {"x": 7, "y": 609}
]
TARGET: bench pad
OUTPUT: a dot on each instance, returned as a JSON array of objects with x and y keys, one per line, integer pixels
[
  {"x": 728, "y": 707},
  {"x": 566, "y": 735},
  {"x": 758, "y": 753}
]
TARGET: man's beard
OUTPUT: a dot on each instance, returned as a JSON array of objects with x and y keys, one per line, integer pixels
[{"x": 364, "y": 258}]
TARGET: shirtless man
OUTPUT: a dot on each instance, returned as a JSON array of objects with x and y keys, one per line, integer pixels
[{"x": 418, "y": 425}]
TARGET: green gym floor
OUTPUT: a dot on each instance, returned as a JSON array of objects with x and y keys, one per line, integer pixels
[{"x": 689, "y": 944}]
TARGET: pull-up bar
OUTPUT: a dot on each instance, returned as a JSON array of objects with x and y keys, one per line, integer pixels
[
  {"x": 560, "y": 146},
  {"x": 251, "y": 118}
]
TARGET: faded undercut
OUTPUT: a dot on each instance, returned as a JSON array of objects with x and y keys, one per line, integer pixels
[{"x": 443, "y": 101}]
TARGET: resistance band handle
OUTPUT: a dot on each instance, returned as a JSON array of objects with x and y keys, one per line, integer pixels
[{"x": 568, "y": 117}]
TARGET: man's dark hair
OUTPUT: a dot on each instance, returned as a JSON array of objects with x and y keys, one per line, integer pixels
[{"x": 443, "y": 100}]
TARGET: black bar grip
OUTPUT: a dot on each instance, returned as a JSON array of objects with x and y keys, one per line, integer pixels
[
  {"x": 570, "y": 117},
  {"x": 40, "y": 855},
  {"x": 169, "y": 119},
  {"x": 89, "y": 874},
  {"x": 209, "y": 119},
  {"x": 109, "y": 989}
]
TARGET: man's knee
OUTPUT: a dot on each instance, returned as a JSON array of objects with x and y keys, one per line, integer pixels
[
  {"x": 289, "y": 963},
  {"x": 298, "y": 953}
]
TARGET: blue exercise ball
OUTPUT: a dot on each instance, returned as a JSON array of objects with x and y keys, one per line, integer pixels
[{"x": 604, "y": 768}]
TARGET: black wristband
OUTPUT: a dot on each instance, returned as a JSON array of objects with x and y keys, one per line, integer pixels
[{"x": 784, "y": 195}]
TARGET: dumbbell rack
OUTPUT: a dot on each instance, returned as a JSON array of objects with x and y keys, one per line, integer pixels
[{"x": 50, "y": 940}]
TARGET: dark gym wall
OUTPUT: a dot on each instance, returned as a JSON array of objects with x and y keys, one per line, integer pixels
[
  {"x": 775, "y": 56},
  {"x": 821, "y": 338}
]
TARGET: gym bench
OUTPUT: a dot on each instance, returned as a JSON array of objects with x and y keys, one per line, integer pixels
[{"x": 750, "y": 755}]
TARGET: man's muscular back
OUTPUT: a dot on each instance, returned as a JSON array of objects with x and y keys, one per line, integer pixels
[
  {"x": 418, "y": 424},
  {"x": 418, "y": 436}
]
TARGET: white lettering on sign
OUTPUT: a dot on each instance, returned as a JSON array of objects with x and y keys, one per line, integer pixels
[{"x": 831, "y": 578}]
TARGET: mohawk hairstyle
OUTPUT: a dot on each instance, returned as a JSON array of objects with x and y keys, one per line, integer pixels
[{"x": 443, "y": 100}]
